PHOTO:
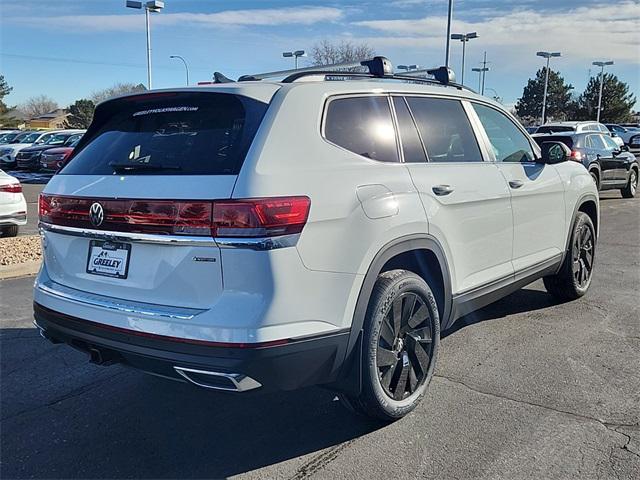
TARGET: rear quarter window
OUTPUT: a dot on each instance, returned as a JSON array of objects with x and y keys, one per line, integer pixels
[{"x": 169, "y": 133}]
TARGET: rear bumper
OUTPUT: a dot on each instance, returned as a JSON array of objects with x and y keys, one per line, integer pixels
[
  {"x": 19, "y": 218},
  {"x": 293, "y": 364}
]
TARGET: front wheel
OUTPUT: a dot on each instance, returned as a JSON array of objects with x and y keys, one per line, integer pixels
[
  {"x": 400, "y": 347},
  {"x": 9, "y": 231},
  {"x": 629, "y": 191},
  {"x": 574, "y": 277}
]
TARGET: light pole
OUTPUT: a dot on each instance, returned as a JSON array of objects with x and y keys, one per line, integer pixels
[
  {"x": 186, "y": 67},
  {"x": 295, "y": 54},
  {"x": 464, "y": 38},
  {"x": 449, "y": 18},
  {"x": 154, "y": 6},
  {"x": 480, "y": 72},
  {"x": 548, "y": 56},
  {"x": 601, "y": 65}
]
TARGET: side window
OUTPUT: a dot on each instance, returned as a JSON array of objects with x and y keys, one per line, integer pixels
[
  {"x": 44, "y": 139},
  {"x": 508, "y": 142},
  {"x": 587, "y": 142},
  {"x": 445, "y": 130},
  {"x": 597, "y": 142},
  {"x": 609, "y": 143},
  {"x": 362, "y": 125},
  {"x": 411, "y": 143}
]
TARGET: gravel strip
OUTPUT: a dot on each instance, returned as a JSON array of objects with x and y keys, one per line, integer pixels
[{"x": 18, "y": 250}]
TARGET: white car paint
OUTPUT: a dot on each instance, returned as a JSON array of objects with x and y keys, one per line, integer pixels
[
  {"x": 358, "y": 205},
  {"x": 13, "y": 206}
]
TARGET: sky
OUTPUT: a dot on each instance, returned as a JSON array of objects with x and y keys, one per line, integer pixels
[{"x": 68, "y": 49}]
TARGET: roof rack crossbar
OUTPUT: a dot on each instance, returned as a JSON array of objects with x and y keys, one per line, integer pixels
[{"x": 378, "y": 66}]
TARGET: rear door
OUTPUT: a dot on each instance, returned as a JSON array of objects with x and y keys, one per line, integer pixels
[
  {"x": 130, "y": 215},
  {"x": 618, "y": 163},
  {"x": 466, "y": 199},
  {"x": 598, "y": 148},
  {"x": 537, "y": 192}
]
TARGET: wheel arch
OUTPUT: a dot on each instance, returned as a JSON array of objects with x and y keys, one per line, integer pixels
[{"x": 420, "y": 253}]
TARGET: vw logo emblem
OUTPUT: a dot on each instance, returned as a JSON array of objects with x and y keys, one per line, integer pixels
[{"x": 96, "y": 214}]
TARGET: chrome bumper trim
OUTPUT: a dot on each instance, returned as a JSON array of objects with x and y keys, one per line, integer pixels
[
  {"x": 240, "y": 382},
  {"x": 136, "y": 308},
  {"x": 259, "y": 243}
]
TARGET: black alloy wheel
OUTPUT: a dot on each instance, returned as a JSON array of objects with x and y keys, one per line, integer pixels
[
  {"x": 583, "y": 252},
  {"x": 404, "y": 346}
]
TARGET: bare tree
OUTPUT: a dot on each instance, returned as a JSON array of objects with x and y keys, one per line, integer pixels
[
  {"x": 326, "y": 52},
  {"x": 116, "y": 90},
  {"x": 38, "y": 105}
]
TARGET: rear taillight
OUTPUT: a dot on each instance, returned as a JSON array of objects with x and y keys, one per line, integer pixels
[
  {"x": 259, "y": 217},
  {"x": 575, "y": 156},
  {"x": 11, "y": 188}
]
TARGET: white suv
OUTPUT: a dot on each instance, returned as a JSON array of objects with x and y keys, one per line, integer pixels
[{"x": 275, "y": 235}]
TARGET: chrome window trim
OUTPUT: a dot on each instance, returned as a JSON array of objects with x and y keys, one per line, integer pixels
[{"x": 136, "y": 308}]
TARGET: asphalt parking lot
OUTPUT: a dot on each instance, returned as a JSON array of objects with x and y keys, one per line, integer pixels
[{"x": 525, "y": 388}]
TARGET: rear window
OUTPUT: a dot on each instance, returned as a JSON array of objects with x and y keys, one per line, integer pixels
[
  {"x": 170, "y": 134},
  {"x": 568, "y": 141},
  {"x": 553, "y": 129}
]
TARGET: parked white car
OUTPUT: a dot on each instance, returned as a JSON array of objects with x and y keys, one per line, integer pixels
[
  {"x": 13, "y": 206},
  {"x": 276, "y": 235},
  {"x": 9, "y": 151},
  {"x": 578, "y": 127}
]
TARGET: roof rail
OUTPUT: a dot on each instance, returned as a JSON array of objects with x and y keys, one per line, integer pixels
[{"x": 377, "y": 66}]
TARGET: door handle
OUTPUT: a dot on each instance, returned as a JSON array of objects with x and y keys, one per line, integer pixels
[
  {"x": 441, "y": 190},
  {"x": 516, "y": 183}
]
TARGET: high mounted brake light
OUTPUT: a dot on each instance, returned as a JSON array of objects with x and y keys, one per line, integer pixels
[{"x": 255, "y": 217}]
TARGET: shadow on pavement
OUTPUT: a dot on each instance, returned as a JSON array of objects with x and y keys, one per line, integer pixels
[{"x": 65, "y": 418}]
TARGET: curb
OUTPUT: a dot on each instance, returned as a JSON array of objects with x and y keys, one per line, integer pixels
[{"x": 19, "y": 270}]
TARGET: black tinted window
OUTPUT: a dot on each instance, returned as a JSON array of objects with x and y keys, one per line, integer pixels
[
  {"x": 508, "y": 142},
  {"x": 568, "y": 141},
  {"x": 554, "y": 129},
  {"x": 411, "y": 144},
  {"x": 174, "y": 134},
  {"x": 445, "y": 130},
  {"x": 362, "y": 125}
]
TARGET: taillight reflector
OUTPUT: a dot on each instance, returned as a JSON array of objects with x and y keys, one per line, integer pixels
[
  {"x": 11, "y": 188},
  {"x": 258, "y": 217}
]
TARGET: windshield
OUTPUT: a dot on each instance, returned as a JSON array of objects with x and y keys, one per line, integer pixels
[
  {"x": 175, "y": 134},
  {"x": 73, "y": 140},
  {"x": 20, "y": 138},
  {"x": 57, "y": 139}
]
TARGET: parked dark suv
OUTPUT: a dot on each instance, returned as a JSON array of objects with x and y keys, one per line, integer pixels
[
  {"x": 611, "y": 166},
  {"x": 29, "y": 158}
]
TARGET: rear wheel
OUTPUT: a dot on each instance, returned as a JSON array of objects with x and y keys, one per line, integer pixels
[
  {"x": 574, "y": 277},
  {"x": 401, "y": 339},
  {"x": 9, "y": 231},
  {"x": 629, "y": 191}
]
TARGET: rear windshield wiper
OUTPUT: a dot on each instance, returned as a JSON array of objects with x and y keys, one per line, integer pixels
[{"x": 141, "y": 167}]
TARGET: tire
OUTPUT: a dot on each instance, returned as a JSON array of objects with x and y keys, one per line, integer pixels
[
  {"x": 9, "y": 231},
  {"x": 399, "y": 355},
  {"x": 629, "y": 191},
  {"x": 574, "y": 277},
  {"x": 596, "y": 178}
]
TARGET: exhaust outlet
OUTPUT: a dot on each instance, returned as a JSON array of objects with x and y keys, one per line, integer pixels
[
  {"x": 100, "y": 357},
  {"x": 228, "y": 382}
]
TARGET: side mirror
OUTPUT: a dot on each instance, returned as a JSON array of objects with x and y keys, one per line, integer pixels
[
  {"x": 614, "y": 134},
  {"x": 554, "y": 152},
  {"x": 624, "y": 148}
]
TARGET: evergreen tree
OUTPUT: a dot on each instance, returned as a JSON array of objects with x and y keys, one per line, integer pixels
[
  {"x": 80, "y": 114},
  {"x": 558, "y": 97},
  {"x": 617, "y": 100},
  {"x": 6, "y": 119}
]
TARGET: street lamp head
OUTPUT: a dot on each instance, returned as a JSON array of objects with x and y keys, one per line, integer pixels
[
  {"x": 133, "y": 4},
  {"x": 299, "y": 53},
  {"x": 457, "y": 36},
  {"x": 472, "y": 35},
  {"x": 154, "y": 5},
  {"x": 602, "y": 64},
  {"x": 287, "y": 54}
]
